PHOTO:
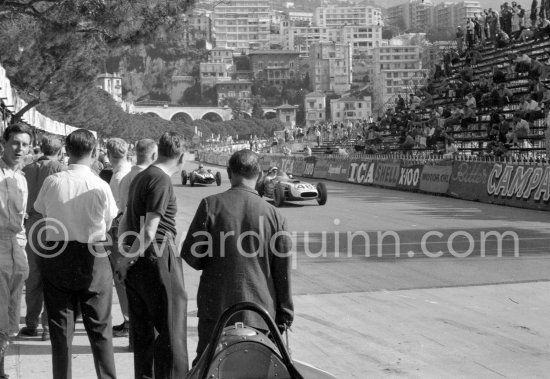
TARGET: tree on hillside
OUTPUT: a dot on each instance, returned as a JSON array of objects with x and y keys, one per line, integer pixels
[
  {"x": 235, "y": 105},
  {"x": 52, "y": 50},
  {"x": 257, "y": 110}
]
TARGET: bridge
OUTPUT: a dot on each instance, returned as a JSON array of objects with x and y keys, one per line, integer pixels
[
  {"x": 188, "y": 114},
  {"x": 185, "y": 114}
]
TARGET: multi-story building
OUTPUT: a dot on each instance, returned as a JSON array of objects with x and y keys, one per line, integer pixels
[
  {"x": 218, "y": 68},
  {"x": 465, "y": 10},
  {"x": 449, "y": 15},
  {"x": 350, "y": 109},
  {"x": 330, "y": 67},
  {"x": 286, "y": 113},
  {"x": 198, "y": 26},
  {"x": 353, "y": 15},
  {"x": 112, "y": 84},
  {"x": 315, "y": 108},
  {"x": 301, "y": 17},
  {"x": 237, "y": 89},
  {"x": 397, "y": 70},
  {"x": 275, "y": 66},
  {"x": 415, "y": 15},
  {"x": 242, "y": 25}
]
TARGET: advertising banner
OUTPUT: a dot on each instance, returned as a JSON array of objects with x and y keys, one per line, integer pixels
[
  {"x": 338, "y": 170},
  {"x": 387, "y": 174},
  {"x": 469, "y": 179},
  {"x": 321, "y": 168},
  {"x": 299, "y": 167},
  {"x": 309, "y": 167},
  {"x": 435, "y": 178},
  {"x": 287, "y": 165},
  {"x": 409, "y": 176},
  {"x": 361, "y": 171},
  {"x": 519, "y": 186}
]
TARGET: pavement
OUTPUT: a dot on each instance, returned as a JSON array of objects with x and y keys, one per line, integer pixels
[{"x": 492, "y": 331}]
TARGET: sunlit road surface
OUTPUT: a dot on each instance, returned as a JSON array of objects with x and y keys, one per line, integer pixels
[{"x": 391, "y": 284}]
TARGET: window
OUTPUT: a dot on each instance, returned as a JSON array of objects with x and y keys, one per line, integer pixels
[
  {"x": 320, "y": 115},
  {"x": 287, "y": 118}
]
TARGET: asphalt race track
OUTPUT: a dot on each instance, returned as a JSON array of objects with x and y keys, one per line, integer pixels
[
  {"x": 361, "y": 309},
  {"x": 387, "y": 284}
]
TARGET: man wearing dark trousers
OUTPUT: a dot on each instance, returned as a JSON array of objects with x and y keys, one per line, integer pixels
[
  {"x": 36, "y": 173},
  {"x": 240, "y": 243},
  {"x": 79, "y": 209},
  {"x": 153, "y": 274}
]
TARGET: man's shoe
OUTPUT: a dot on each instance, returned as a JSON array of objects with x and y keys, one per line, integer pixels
[
  {"x": 121, "y": 330},
  {"x": 28, "y": 331},
  {"x": 45, "y": 335}
]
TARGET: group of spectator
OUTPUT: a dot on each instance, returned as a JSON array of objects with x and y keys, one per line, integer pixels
[{"x": 68, "y": 230}]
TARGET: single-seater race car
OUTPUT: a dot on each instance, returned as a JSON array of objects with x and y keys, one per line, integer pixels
[
  {"x": 201, "y": 176},
  {"x": 282, "y": 187},
  {"x": 241, "y": 352}
]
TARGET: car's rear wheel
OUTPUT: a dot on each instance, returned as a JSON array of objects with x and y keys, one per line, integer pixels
[
  {"x": 218, "y": 178},
  {"x": 183, "y": 177},
  {"x": 192, "y": 179},
  {"x": 322, "y": 191},
  {"x": 279, "y": 195}
]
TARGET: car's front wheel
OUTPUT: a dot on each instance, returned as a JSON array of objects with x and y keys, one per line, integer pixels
[
  {"x": 218, "y": 178},
  {"x": 192, "y": 179},
  {"x": 279, "y": 195},
  {"x": 322, "y": 193},
  {"x": 183, "y": 177}
]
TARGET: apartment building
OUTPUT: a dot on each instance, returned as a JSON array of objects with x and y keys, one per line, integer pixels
[
  {"x": 350, "y": 109},
  {"x": 242, "y": 25},
  {"x": 348, "y": 15},
  {"x": 275, "y": 66},
  {"x": 416, "y": 15},
  {"x": 397, "y": 70},
  {"x": 218, "y": 68},
  {"x": 330, "y": 67},
  {"x": 237, "y": 89},
  {"x": 112, "y": 84},
  {"x": 315, "y": 108}
]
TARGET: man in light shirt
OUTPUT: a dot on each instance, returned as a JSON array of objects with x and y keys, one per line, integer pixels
[
  {"x": 14, "y": 268},
  {"x": 80, "y": 209},
  {"x": 146, "y": 150},
  {"x": 117, "y": 153}
]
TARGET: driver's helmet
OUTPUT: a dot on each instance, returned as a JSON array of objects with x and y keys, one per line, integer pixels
[
  {"x": 201, "y": 166},
  {"x": 273, "y": 170}
]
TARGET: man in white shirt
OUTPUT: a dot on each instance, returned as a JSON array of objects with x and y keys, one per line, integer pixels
[
  {"x": 14, "y": 268},
  {"x": 117, "y": 153},
  {"x": 79, "y": 209}
]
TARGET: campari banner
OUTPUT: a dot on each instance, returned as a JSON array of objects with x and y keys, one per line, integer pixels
[{"x": 519, "y": 186}]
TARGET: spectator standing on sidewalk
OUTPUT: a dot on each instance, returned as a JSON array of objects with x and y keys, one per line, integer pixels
[
  {"x": 75, "y": 268},
  {"x": 36, "y": 173},
  {"x": 241, "y": 267},
  {"x": 117, "y": 152},
  {"x": 14, "y": 268},
  {"x": 154, "y": 275}
]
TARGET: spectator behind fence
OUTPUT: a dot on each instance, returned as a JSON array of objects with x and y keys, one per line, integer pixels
[
  {"x": 36, "y": 173},
  {"x": 14, "y": 268},
  {"x": 75, "y": 268}
]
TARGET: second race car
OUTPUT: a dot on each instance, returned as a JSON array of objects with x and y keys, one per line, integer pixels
[
  {"x": 201, "y": 176},
  {"x": 282, "y": 187}
]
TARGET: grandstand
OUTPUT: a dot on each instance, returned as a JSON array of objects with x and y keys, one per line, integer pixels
[{"x": 465, "y": 75}]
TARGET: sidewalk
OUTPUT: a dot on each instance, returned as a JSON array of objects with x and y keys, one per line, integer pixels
[{"x": 489, "y": 331}]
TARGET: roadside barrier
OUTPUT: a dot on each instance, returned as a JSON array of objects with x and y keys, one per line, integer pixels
[{"x": 521, "y": 184}]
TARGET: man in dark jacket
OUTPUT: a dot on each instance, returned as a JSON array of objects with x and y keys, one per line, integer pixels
[{"x": 240, "y": 243}]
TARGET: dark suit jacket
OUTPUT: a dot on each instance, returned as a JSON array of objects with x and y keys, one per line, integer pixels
[{"x": 237, "y": 265}]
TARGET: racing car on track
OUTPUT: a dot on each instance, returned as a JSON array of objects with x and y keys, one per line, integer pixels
[
  {"x": 282, "y": 187},
  {"x": 201, "y": 176}
]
